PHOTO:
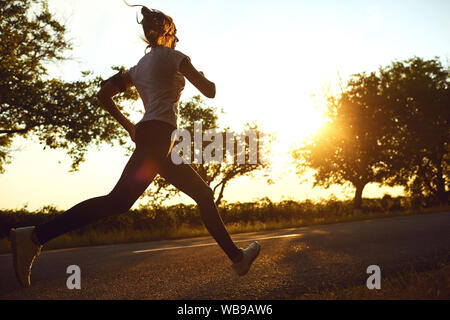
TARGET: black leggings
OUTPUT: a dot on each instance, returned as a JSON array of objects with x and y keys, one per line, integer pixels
[{"x": 151, "y": 157}]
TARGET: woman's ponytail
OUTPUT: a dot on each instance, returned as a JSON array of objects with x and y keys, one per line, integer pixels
[{"x": 159, "y": 28}]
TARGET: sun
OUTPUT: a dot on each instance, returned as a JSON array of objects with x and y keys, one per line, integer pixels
[
  {"x": 292, "y": 130},
  {"x": 303, "y": 123}
]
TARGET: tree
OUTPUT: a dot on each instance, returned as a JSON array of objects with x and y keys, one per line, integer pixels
[
  {"x": 64, "y": 115},
  {"x": 216, "y": 174},
  {"x": 417, "y": 93},
  {"x": 351, "y": 146},
  {"x": 391, "y": 127}
]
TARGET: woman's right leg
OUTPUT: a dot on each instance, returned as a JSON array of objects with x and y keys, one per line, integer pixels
[{"x": 137, "y": 175}]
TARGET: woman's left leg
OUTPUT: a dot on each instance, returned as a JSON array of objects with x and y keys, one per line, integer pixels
[{"x": 185, "y": 178}]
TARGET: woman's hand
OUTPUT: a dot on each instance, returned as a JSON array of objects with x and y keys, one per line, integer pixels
[{"x": 107, "y": 91}]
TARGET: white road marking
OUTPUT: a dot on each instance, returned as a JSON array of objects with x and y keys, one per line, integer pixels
[{"x": 214, "y": 243}]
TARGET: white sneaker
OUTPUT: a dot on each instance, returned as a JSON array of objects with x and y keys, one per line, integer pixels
[
  {"x": 249, "y": 255},
  {"x": 24, "y": 252}
]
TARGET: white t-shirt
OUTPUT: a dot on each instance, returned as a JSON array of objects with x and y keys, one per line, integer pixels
[{"x": 159, "y": 82}]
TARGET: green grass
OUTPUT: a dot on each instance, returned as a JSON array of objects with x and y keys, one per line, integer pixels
[
  {"x": 93, "y": 238},
  {"x": 407, "y": 285}
]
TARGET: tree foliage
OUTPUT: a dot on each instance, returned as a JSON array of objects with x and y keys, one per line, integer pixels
[
  {"x": 61, "y": 114},
  {"x": 417, "y": 92}
]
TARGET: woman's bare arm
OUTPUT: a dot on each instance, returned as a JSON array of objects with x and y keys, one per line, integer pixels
[
  {"x": 197, "y": 78},
  {"x": 108, "y": 90}
]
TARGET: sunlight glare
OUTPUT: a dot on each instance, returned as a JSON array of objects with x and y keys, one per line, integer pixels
[{"x": 303, "y": 121}]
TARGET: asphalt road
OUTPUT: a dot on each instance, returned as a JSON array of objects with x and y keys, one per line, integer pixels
[{"x": 292, "y": 262}]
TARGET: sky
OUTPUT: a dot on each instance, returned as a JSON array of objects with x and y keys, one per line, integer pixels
[{"x": 271, "y": 62}]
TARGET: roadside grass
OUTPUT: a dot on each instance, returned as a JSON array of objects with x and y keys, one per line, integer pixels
[
  {"x": 129, "y": 235},
  {"x": 93, "y": 238},
  {"x": 407, "y": 285}
]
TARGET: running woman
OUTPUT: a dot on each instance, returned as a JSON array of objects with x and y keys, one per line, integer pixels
[{"x": 159, "y": 79}]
